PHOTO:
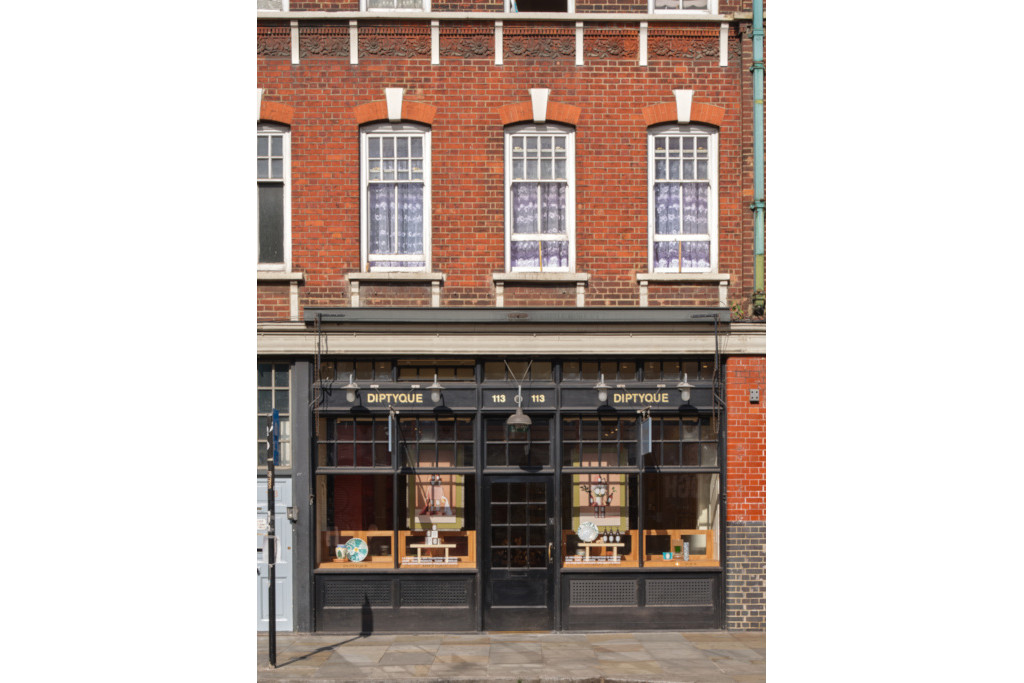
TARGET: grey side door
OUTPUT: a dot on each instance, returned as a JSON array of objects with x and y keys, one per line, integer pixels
[{"x": 283, "y": 568}]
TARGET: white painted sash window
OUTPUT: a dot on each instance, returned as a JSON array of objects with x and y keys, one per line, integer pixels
[
  {"x": 400, "y": 5},
  {"x": 683, "y": 198},
  {"x": 702, "y": 6},
  {"x": 396, "y": 197},
  {"x": 274, "y": 202},
  {"x": 540, "y": 198}
]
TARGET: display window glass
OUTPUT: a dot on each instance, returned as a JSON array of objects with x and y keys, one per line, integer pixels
[
  {"x": 593, "y": 441},
  {"x": 438, "y": 521},
  {"x": 437, "y": 442},
  {"x": 684, "y": 441},
  {"x": 506, "y": 449},
  {"x": 599, "y": 520},
  {"x": 354, "y": 442},
  {"x": 681, "y": 519},
  {"x": 355, "y": 521}
]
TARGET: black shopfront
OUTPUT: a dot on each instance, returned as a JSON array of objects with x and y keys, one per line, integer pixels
[{"x": 432, "y": 510}]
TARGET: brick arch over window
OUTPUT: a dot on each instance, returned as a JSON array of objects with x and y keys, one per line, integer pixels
[
  {"x": 277, "y": 112},
  {"x": 418, "y": 112},
  {"x": 700, "y": 112},
  {"x": 522, "y": 112}
]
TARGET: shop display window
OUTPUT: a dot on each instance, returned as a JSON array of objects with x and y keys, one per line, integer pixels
[
  {"x": 599, "y": 520},
  {"x": 681, "y": 520},
  {"x": 593, "y": 441},
  {"x": 438, "y": 522},
  {"x": 532, "y": 449},
  {"x": 355, "y": 521},
  {"x": 436, "y": 442}
]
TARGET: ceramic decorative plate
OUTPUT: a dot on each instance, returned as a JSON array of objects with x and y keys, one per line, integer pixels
[
  {"x": 357, "y": 549},
  {"x": 587, "y": 532}
]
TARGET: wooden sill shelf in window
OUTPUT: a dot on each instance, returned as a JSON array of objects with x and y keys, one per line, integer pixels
[
  {"x": 409, "y": 548},
  {"x": 600, "y": 549},
  {"x": 707, "y": 558},
  {"x": 331, "y": 539}
]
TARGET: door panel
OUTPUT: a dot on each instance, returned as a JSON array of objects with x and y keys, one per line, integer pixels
[
  {"x": 283, "y": 568},
  {"x": 519, "y": 548}
]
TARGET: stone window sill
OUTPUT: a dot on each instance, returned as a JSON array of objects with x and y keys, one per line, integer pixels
[
  {"x": 278, "y": 276},
  {"x": 433, "y": 277},
  {"x": 721, "y": 279},
  {"x": 538, "y": 278}
]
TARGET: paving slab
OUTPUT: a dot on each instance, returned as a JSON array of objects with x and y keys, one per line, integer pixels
[{"x": 677, "y": 657}]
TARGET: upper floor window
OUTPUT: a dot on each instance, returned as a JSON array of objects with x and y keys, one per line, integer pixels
[
  {"x": 704, "y": 6},
  {"x": 540, "y": 198},
  {"x": 539, "y": 5},
  {"x": 272, "y": 4},
  {"x": 683, "y": 198},
  {"x": 272, "y": 180},
  {"x": 406, "y": 5},
  {"x": 395, "y": 197}
]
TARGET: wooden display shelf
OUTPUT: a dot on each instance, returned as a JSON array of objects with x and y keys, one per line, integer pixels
[
  {"x": 630, "y": 559},
  {"x": 331, "y": 539},
  {"x": 465, "y": 561},
  {"x": 706, "y": 558}
]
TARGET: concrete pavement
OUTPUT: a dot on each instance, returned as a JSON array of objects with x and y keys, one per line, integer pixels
[{"x": 691, "y": 656}]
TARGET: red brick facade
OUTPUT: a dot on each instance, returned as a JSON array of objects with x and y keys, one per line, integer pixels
[
  {"x": 467, "y": 100},
  {"x": 746, "y": 440}
]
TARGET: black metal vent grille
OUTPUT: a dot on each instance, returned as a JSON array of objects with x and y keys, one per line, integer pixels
[
  {"x": 435, "y": 594},
  {"x": 678, "y": 592},
  {"x": 603, "y": 593},
  {"x": 378, "y": 593}
]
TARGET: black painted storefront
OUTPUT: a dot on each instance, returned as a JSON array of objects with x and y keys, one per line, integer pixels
[{"x": 542, "y": 598}]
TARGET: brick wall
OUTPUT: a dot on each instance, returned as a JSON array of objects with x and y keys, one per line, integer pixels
[
  {"x": 467, "y": 137},
  {"x": 745, "y": 577},
  {"x": 272, "y": 302},
  {"x": 745, "y": 494}
]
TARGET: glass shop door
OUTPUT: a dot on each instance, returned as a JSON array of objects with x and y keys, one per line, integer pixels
[{"x": 519, "y": 553}]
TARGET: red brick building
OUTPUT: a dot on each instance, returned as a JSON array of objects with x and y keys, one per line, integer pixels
[{"x": 478, "y": 215}]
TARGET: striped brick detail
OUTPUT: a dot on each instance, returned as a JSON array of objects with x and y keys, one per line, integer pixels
[
  {"x": 278, "y": 112},
  {"x": 700, "y": 112}
]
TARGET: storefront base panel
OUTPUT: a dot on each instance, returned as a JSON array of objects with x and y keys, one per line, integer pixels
[
  {"x": 636, "y": 602},
  {"x": 376, "y": 603}
]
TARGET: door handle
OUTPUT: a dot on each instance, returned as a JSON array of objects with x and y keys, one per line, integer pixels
[{"x": 549, "y": 551}]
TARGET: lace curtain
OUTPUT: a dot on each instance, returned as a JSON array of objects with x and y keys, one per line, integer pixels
[
  {"x": 539, "y": 208},
  {"x": 690, "y": 200},
  {"x": 396, "y": 219}
]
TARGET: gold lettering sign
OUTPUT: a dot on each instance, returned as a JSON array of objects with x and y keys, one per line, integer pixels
[
  {"x": 640, "y": 397},
  {"x": 390, "y": 398}
]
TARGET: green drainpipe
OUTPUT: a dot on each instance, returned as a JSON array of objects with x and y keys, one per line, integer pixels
[{"x": 758, "y": 206}]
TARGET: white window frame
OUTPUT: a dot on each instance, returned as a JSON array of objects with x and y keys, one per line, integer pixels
[
  {"x": 570, "y": 192},
  {"x": 285, "y": 132},
  {"x": 712, "y": 9},
  {"x": 685, "y": 129},
  {"x": 569, "y": 7},
  {"x": 364, "y": 242},
  {"x": 364, "y": 7}
]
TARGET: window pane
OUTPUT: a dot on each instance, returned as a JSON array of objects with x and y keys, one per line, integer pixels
[
  {"x": 261, "y": 145},
  {"x": 264, "y": 374},
  {"x": 525, "y": 254},
  {"x": 667, "y": 199},
  {"x": 524, "y": 207},
  {"x": 262, "y": 168},
  {"x": 276, "y": 145},
  {"x": 555, "y": 254},
  {"x": 271, "y": 213}
]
